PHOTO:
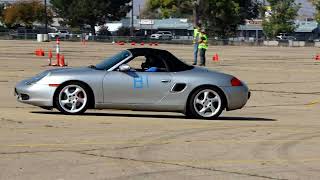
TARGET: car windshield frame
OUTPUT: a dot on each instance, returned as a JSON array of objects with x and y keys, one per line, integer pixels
[{"x": 113, "y": 60}]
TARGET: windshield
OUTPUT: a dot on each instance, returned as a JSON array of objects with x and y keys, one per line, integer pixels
[{"x": 111, "y": 61}]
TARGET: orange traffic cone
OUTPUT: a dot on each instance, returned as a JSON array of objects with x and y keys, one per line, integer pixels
[
  {"x": 41, "y": 52},
  {"x": 50, "y": 57},
  {"x": 58, "y": 60},
  {"x": 36, "y": 52},
  {"x": 215, "y": 57},
  {"x": 61, "y": 62}
]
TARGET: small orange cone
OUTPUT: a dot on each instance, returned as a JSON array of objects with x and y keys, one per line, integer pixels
[
  {"x": 36, "y": 52},
  {"x": 41, "y": 52},
  {"x": 50, "y": 57},
  {"x": 215, "y": 57},
  {"x": 58, "y": 60},
  {"x": 61, "y": 62}
]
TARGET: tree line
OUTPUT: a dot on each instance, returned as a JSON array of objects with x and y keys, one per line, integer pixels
[{"x": 220, "y": 17}]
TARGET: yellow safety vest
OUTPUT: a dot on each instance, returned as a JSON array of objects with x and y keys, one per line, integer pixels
[
  {"x": 203, "y": 41},
  {"x": 196, "y": 35}
]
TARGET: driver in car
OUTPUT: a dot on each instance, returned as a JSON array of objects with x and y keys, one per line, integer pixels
[{"x": 149, "y": 65}]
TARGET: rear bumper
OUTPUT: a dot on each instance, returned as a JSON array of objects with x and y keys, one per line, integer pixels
[
  {"x": 35, "y": 94},
  {"x": 237, "y": 97}
]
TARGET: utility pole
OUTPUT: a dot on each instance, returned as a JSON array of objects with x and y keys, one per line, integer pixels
[
  {"x": 196, "y": 4},
  {"x": 46, "y": 16},
  {"x": 132, "y": 27}
]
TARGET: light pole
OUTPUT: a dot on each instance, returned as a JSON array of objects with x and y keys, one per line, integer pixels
[
  {"x": 132, "y": 27},
  {"x": 196, "y": 4},
  {"x": 46, "y": 16}
]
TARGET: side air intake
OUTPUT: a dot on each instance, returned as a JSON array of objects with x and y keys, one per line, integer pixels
[{"x": 178, "y": 87}]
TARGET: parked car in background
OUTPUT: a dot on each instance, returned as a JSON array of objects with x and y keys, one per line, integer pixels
[
  {"x": 284, "y": 36},
  {"x": 162, "y": 35},
  {"x": 61, "y": 34},
  {"x": 23, "y": 33}
]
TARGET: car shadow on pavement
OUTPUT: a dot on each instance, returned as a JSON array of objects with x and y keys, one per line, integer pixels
[{"x": 222, "y": 118}]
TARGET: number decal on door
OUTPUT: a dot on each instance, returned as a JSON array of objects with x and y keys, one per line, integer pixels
[{"x": 141, "y": 82}]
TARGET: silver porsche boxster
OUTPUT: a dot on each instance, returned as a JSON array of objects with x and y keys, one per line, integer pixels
[{"x": 136, "y": 79}]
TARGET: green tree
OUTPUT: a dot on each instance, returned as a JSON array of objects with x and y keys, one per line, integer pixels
[
  {"x": 168, "y": 8},
  {"x": 1, "y": 11},
  {"x": 282, "y": 18},
  {"x": 316, "y": 4},
  {"x": 1, "y": 14},
  {"x": 79, "y": 13},
  {"x": 25, "y": 13},
  {"x": 222, "y": 17}
]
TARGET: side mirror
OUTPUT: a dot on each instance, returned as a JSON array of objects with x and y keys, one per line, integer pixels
[{"x": 124, "y": 68}]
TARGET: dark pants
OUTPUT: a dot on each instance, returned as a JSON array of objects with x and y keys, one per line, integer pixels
[
  {"x": 195, "y": 53},
  {"x": 202, "y": 57}
]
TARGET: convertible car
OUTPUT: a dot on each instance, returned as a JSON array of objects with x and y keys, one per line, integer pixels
[{"x": 136, "y": 79}]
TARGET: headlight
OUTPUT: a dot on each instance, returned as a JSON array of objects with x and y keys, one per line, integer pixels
[{"x": 38, "y": 77}]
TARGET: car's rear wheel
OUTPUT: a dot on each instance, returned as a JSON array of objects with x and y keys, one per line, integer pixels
[
  {"x": 72, "y": 98},
  {"x": 206, "y": 103}
]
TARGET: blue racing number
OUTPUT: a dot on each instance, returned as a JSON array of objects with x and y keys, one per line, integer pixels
[{"x": 140, "y": 82}]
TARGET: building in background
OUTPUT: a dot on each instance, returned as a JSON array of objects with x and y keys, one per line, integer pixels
[
  {"x": 251, "y": 30},
  {"x": 180, "y": 28},
  {"x": 307, "y": 30}
]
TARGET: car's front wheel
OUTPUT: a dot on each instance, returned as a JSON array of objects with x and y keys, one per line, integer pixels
[
  {"x": 206, "y": 103},
  {"x": 72, "y": 98}
]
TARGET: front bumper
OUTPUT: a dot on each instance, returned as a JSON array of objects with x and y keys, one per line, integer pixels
[
  {"x": 35, "y": 94},
  {"x": 155, "y": 37}
]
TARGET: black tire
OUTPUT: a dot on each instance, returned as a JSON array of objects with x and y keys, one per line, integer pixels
[
  {"x": 84, "y": 92},
  {"x": 192, "y": 112}
]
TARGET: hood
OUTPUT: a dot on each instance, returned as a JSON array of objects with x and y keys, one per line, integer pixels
[{"x": 76, "y": 70}]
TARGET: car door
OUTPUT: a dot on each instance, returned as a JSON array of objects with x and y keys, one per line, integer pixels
[{"x": 136, "y": 87}]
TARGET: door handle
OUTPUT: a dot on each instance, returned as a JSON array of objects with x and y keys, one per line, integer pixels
[{"x": 166, "y": 80}]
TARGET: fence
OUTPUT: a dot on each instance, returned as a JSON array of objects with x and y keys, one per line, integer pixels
[{"x": 175, "y": 40}]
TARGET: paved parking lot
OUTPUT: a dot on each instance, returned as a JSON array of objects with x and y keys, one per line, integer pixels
[{"x": 276, "y": 136}]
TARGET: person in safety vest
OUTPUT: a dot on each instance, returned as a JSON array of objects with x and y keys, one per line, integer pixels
[
  {"x": 203, "y": 46},
  {"x": 196, "y": 35}
]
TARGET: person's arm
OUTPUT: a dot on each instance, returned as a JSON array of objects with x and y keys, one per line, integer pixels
[{"x": 152, "y": 69}]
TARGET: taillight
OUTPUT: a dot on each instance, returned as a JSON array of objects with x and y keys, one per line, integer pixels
[{"x": 236, "y": 82}]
